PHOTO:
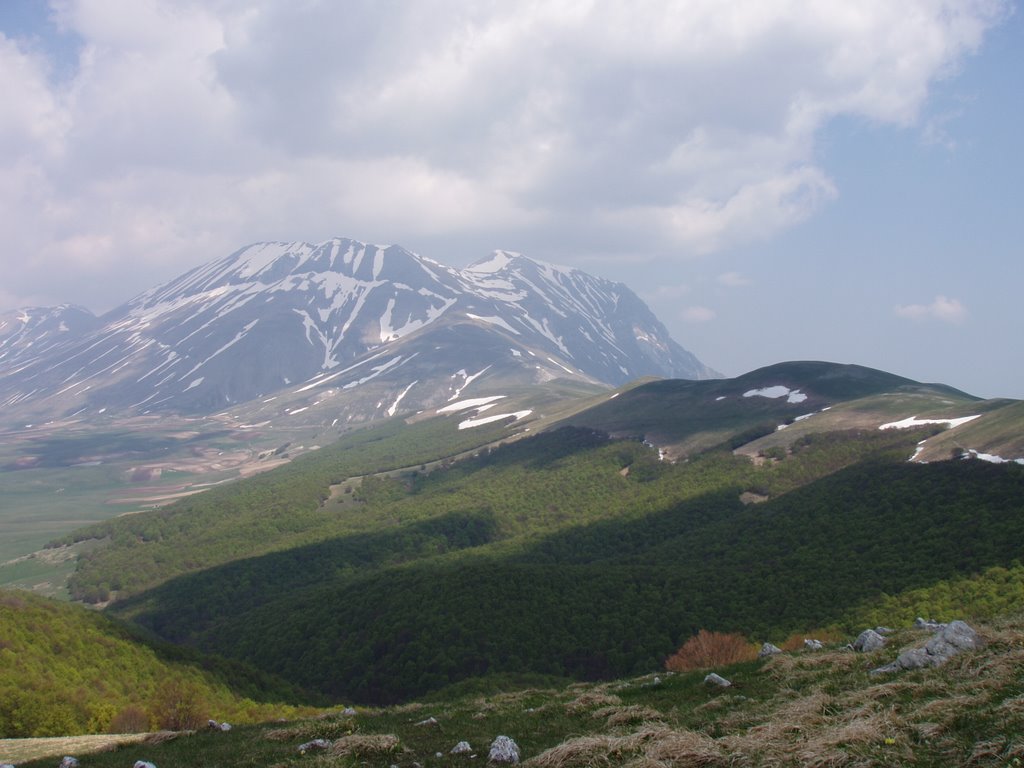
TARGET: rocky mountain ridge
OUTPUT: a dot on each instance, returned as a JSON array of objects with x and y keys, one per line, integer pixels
[{"x": 338, "y": 315}]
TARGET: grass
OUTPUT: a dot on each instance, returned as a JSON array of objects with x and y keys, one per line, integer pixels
[{"x": 803, "y": 708}]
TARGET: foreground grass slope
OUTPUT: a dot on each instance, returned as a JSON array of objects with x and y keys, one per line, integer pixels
[
  {"x": 805, "y": 708},
  {"x": 67, "y": 670}
]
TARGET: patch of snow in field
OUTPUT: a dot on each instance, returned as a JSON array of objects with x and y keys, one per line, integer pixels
[
  {"x": 195, "y": 383},
  {"x": 470, "y": 423},
  {"x": 805, "y": 416},
  {"x": 379, "y": 369},
  {"x": 493, "y": 321},
  {"x": 913, "y": 421},
  {"x": 791, "y": 395},
  {"x": 720, "y": 398},
  {"x": 464, "y": 405},
  {"x": 394, "y": 405},
  {"x": 991, "y": 458},
  {"x": 298, "y": 410},
  {"x": 567, "y": 370},
  {"x": 614, "y": 395},
  {"x": 516, "y": 353},
  {"x": 469, "y": 379}
]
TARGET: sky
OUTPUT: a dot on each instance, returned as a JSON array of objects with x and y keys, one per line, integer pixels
[{"x": 777, "y": 179}]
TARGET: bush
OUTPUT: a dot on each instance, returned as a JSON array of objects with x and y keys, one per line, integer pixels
[{"x": 710, "y": 649}]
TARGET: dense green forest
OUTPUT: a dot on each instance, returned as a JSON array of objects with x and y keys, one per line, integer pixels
[
  {"x": 278, "y": 510},
  {"x": 571, "y": 555},
  {"x": 65, "y": 669}
]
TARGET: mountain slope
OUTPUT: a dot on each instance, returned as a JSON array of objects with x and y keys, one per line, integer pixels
[{"x": 334, "y": 317}]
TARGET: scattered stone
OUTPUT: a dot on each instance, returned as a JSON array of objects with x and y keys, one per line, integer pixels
[
  {"x": 462, "y": 748},
  {"x": 438, "y": 755},
  {"x": 143, "y": 764},
  {"x": 884, "y": 630},
  {"x": 504, "y": 751},
  {"x": 950, "y": 640},
  {"x": 68, "y": 762},
  {"x": 430, "y": 722},
  {"x": 225, "y": 727},
  {"x": 213, "y": 725},
  {"x": 656, "y": 680},
  {"x": 813, "y": 645},
  {"x": 931, "y": 624},
  {"x": 316, "y": 745},
  {"x": 867, "y": 641},
  {"x": 768, "y": 650},
  {"x": 348, "y": 712},
  {"x": 716, "y": 679}
]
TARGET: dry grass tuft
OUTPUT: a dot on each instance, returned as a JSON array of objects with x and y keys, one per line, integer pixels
[
  {"x": 365, "y": 744},
  {"x": 591, "y": 700},
  {"x": 635, "y": 713},
  {"x": 412, "y": 706},
  {"x": 595, "y": 750},
  {"x": 286, "y": 734},
  {"x": 682, "y": 749}
]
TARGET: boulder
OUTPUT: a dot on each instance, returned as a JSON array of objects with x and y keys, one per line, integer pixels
[
  {"x": 716, "y": 679},
  {"x": 813, "y": 645},
  {"x": 867, "y": 641},
  {"x": 225, "y": 726},
  {"x": 950, "y": 640},
  {"x": 68, "y": 762},
  {"x": 931, "y": 624},
  {"x": 430, "y": 722},
  {"x": 462, "y": 748},
  {"x": 143, "y": 764},
  {"x": 768, "y": 650},
  {"x": 503, "y": 751},
  {"x": 316, "y": 745},
  {"x": 348, "y": 712}
]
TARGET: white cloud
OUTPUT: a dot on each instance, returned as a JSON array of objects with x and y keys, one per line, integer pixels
[
  {"x": 942, "y": 308},
  {"x": 733, "y": 280},
  {"x": 698, "y": 314},
  {"x": 189, "y": 128}
]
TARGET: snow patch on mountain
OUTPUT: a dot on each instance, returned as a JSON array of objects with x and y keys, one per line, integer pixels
[
  {"x": 913, "y": 421},
  {"x": 479, "y": 422},
  {"x": 465, "y": 405},
  {"x": 777, "y": 391}
]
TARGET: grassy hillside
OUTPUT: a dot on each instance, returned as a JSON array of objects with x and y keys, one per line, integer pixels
[
  {"x": 803, "y": 708},
  {"x": 65, "y": 669},
  {"x": 545, "y": 556}
]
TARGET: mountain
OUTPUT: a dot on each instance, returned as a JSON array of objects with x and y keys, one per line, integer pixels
[{"x": 373, "y": 328}]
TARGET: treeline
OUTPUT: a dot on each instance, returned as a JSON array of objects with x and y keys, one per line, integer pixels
[
  {"x": 66, "y": 670},
  {"x": 573, "y": 556}
]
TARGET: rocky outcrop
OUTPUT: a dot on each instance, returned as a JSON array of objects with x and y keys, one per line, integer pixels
[
  {"x": 504, "y": 751},
  {"x": 951, "y": 639}
]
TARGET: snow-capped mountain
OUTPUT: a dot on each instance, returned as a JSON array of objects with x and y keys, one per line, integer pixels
[{"x": 339, "y": 315}]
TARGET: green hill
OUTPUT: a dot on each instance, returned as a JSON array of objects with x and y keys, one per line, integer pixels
[{"x": 65, "y": 669}]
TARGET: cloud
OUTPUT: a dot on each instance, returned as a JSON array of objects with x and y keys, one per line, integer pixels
[
  {"x": 698, "y": 314},
  {"x": 944, "y": 309},
  {"x": 188, "y": 128},
  {"x": 733, "y": 280}
]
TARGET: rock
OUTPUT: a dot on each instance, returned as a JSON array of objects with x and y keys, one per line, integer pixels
[
  {"x": 462, "y": 748},
  {"x": 813, "y": 645},
  {"x": 430, "y": 722},
  {"x": 950, "y": 640},
  {"x": 768, "y": 650},
  {"x": 316, "y": 745},
  {"x": 225, "y": 726},
  {"x": 68, "y": 762},
  {"x": 868, "y": 640},
  {"x": 213, "y": 725},
  {"x": 348, "y": 712},
  {"x": 503, "y": 751},
  {"x": 883, "y": 631},
  {"x": 143, "y": 764},
  {"x": 715, "y": 679},
  {"x": 920, "y": 623}
]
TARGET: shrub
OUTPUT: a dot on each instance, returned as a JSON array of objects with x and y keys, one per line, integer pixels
[{"x": 710, "y": 649}]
